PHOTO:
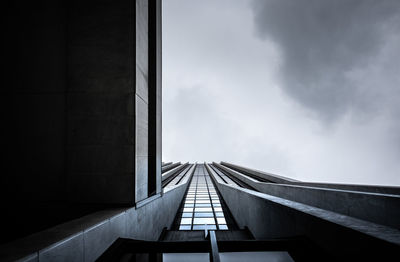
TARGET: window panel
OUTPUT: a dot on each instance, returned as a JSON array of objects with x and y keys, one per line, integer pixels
[
  {"x": 185, "y": 227},
  {"x": 202, "y": 227},
  {"x": 219, "y": 214},
  {"x": 203, "y": 205},
  {"x": 203, "y": 214},
  {"x": 187, "y": 214},
  {"x": 221, "y": 220},
  {"x": 223, "y": 227},
  {"x": 203, "y": 209},
  {"x": 186, "y": 221},
  {"x": 204, "y": 220}
]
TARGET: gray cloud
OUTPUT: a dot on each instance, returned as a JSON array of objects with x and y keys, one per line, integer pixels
[
  {"x": 230, "y": 94},
  {"x": 330, "y": 51}
]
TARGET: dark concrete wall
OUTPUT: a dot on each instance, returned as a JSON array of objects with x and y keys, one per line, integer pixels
[
  {"x": 75, "y": 108},
  {"x": 33, "y": 98},
  {"x": 101, "y": 101},
  {"x": 33, "y": 114}
]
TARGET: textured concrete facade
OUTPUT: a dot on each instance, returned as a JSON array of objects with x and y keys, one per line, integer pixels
[
  {"x": 83, "y": 99},
  {"x": 101, "y": 106}
]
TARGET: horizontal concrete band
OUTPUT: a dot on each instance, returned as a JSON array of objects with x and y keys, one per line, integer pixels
[
  {"x": 393, "y": 190},
  {"x": 86, "y": 238},
  {"x": 169, "y": 166},
  {"x": 165, "y": 163},
  {"x": 272, "y": 217},
  {"x": 377, "y": 208},
  {"x": 180, "y": 178},
  {"x": 168, "y": 176},
  {"x": 262, "y": 175}
]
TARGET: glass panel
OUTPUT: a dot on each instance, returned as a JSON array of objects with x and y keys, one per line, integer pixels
[
  {"x": 203, "y": 201},
  {"x": 203, "y": 214},
  {"x": 221, "y": 220},
  {"x": 202, "y": 227},
  {"x": 203, "y": 205},
  {"x": 219, "y": 214},
  {"x": 204, "y": 220},
  {"x": 186, "y": 221},
  {"x": 203, "y": 209},
  {"x": 187, "y": 214},
  {"x": 202, "y": 198},
  {"x": 223, "y": 227}
]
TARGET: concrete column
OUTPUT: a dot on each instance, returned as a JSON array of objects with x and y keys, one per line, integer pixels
[
  {"x": 155, "y": 92},
  {"x": 142, "y": 98},
  {"x": 101, "y": 102}
]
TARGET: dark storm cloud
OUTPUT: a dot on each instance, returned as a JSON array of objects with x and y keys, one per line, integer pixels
[{"x": 329, "y": 51}]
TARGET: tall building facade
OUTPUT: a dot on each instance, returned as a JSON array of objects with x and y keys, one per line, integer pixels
[{"x": 82, "y": 176}]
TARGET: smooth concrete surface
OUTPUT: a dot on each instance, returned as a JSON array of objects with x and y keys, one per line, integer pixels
[
  {"x": 85, "y": 239},
  {"x": 185, "y": 178},
  {"x": 142, "y": 100},
  {"x": 272, "y": 217},
  {"x": 100, "y": 102},
  {"x": 170, "y": 166},
  {"x": 378, "y": 208},
  {"x": 393, "y": 190},
  {"x": 188, "y": 171},
  {"x": 263, "y": 175},
  {"x": 221, "y": 177},
  {"x": 33, "y": 102},
  {"x": 167, "y": 176}
]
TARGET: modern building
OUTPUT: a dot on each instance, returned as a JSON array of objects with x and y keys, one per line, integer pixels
[{"x": 82, "y": 171}]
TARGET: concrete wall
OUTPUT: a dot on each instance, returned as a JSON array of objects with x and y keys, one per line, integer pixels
[
  {"x": 378, "y": 208},
  {"x": 82, "y": 100},
  {"x": 32, "y": 101},
  {"x": 33, "y": 113},
  {"x": 142, "y": 99},
  {"x": 85, "y": 239},
  {"x": 101, "y": 102},
  {"x": 341, "y": 236}
]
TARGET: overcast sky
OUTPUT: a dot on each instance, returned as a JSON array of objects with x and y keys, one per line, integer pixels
[{"x": 305, "y": 89}]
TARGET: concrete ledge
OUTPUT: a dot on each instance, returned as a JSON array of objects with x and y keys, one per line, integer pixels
[
  {"x": 263, "y": 175},
  {"x": 272, "y": 217},
  {"x": 165, "y": 163},
  {"x": 377, "y": 208},
  {"x": 182, "y": 178},
  {"x": 166, "y": 177},
  {"x": 393, "y": 190},
  {"x": 169, "y": 166},
  {"x": 86, "y": 238}
]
